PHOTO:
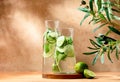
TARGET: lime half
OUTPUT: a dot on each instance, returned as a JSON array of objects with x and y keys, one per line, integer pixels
[
  {"x": 60, "y": 41},
  {"x": 89, "y": 74}
]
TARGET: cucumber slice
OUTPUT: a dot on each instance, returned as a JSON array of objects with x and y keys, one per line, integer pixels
[{"x": 60, "y": 41}]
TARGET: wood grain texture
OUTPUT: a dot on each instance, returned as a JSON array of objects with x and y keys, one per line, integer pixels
[{"x": 37, "y": 77}]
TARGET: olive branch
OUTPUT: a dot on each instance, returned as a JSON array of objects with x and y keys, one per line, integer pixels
[{"x": 102, "y": 11}]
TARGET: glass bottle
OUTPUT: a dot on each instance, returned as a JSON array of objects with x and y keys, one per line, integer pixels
[
  {"x": 64, "y": 58},
  {"x": 49, "y": 43},
  {"x": 58, "y": 51}
]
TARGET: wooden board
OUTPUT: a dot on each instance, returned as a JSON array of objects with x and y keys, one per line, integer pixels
[{"x": 62, "y": 76}]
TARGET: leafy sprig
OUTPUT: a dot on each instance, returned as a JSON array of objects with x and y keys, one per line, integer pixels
[
  {"x": 103, "y": 46},
  {"x": 102, "y": 11}
]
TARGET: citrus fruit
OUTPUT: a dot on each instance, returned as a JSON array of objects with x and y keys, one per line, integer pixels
[
  {"x": 50, "y": 39},
  {"x": 89, "y": 74},
  {"x": 60, "y": 41},
  {"x": 80, "y": 66},
  {"x": 62, "y": 50},
  {"x": 69, "y": 51}
]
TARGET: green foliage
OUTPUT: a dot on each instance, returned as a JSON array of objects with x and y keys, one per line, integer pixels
[{"x": 102, "y": 11}]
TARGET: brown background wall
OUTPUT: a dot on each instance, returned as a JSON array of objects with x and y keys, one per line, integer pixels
[{"x": 22, "y": 27}]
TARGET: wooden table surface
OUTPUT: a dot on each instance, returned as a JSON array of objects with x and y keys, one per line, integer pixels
[{"x": 37, "y": 77}]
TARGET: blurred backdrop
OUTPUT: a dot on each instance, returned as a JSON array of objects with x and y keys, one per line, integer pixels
[{"x": 22, "y": 28}]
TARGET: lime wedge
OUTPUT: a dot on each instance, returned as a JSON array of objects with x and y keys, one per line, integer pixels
[
  {"x": 51, "y": 37},
  {"x": 89, "y": 74},
  {"x": 60, "y": 41},
  {"x": 61, "y": 50},
  {"x": 53, "y": 34},
  {"x": 69, "y": 51}
]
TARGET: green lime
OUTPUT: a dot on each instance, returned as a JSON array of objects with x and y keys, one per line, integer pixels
[
  {"x": 62, "y": 50},
  {"x": 89, "y": 74},
  {"x": 80, "y": 66},
  {"x": 60, "y": 41},
  {"x": 50, "y": 39},
  {"x": 69, "y": 51},
  {"x": 53, "y": 34}
]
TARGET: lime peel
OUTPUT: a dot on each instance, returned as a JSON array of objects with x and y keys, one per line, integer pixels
[
  {"x": 80, "y": 66},
  {"x": 89, "y": 74}
]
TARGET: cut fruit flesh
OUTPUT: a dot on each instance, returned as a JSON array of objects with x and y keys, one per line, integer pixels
[{"x": 60, "y": 41}]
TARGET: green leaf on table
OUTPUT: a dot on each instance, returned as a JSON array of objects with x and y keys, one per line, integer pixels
[{"x": 114, "y": 30}]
